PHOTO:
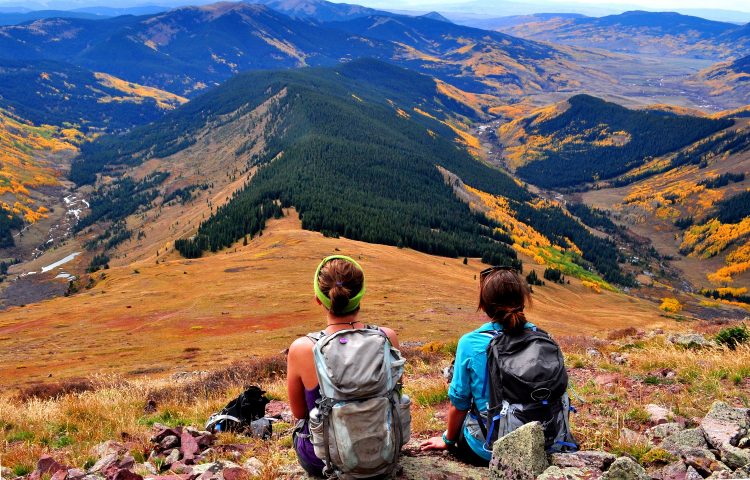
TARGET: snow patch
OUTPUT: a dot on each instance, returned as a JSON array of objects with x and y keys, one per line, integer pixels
[{"x": 62, "y": 261}]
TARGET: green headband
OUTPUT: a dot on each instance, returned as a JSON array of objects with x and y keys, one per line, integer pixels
[{"x": 354, "y": 301}]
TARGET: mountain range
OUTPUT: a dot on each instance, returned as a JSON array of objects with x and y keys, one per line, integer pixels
[
  {"x": 641, "y": 32},
  {"x": 188, "y": 130}
]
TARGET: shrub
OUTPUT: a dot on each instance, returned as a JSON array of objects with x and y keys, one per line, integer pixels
[
  {"x": 658, "y": 456},
  {"x": 671, "y": 305},
  {"x": 733, "y": 336}
]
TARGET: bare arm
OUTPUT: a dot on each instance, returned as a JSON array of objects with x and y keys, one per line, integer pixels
[
  {"x": 456, "y": 419},
  {"x": 300, "y": 353},
  {"x": 391, "y": 334}
]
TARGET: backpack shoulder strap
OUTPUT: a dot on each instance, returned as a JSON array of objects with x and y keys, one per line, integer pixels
[{"x": 315, "y": 337}]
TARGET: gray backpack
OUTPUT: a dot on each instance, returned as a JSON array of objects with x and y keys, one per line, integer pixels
[{"x": 362, "y": 419}]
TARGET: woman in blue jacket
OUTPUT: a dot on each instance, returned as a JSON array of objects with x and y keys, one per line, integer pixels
[{"x": 503, "y": 295}]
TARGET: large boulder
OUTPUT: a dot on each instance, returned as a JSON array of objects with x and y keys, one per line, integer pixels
[
  {"x": 659, "y": 432},
  {"x": 725, "y": 425},
  {"x": 520, "y": 454},
  {"x": 625, "y": 468},
  {"x": 734, "y": 457}
]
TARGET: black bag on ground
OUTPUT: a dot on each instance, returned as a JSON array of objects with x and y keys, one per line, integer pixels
[
  {"x": 527, "y": 382},
  {"x": 245, "y": 414}
]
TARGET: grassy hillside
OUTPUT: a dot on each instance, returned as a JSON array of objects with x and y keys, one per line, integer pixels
[
  {"x": 693, "y": 205},
  {"x": 358, "y": 155},
  {"x": 588, "y": 139},
  {"x": 727, "y": 79},
  {"x": 57, "y": 93}
]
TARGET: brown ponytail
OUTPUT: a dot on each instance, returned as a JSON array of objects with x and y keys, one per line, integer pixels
[
  {"x": 503, "y": 296},
  {"x": 340, "y": 281}
]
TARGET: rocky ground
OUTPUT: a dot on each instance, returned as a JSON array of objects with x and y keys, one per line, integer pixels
[{"x": 650, "y": 405}]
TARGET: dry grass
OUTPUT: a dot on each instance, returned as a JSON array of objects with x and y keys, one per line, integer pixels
[
  {"x": 687, "y": 381},
  {"x": 191, "y": 315}
]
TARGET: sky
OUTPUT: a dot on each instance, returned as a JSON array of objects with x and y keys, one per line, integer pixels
[{"x": 726, "y": 10}]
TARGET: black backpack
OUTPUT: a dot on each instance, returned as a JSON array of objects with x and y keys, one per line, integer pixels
[
  {"x": 527, "y": 382},
  {"x": 245, "y": 414}
]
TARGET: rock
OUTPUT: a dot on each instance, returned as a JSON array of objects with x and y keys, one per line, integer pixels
[
  {"x": 207, "y": 471},
  {"x": 625, "y": 468},
  {"x": 105, "y": 463},
  {"x": 593, "y": 353},
  {"x": 692, "y": 474},
  {"x": 685, "y": 439},
  {"x": 180, "y": 468},
  {"x": 584, "y": 459},
  {"x": 659, "y": 432},
  {"x": 631, "y": 437},
  {"x": 75, "y": 473},
  {"x": 6, "y": 472},
  {"x": 658, "y": 414},
  {"x": 125, "y": 474},
  {"x": 60, "y": 475},
  {"x": 618, "y": 358},
  {"x": 673, "y": 471},
  {"x": 725, "y": 424},
  {"x": 520, "y": 454},
  {"x": 235, "y": 473},
  {"x": 48, "y": 465},
  {"x": 569, "y": 473},
  {"x": 188, "y": 446},
  {"x": 423, "y": 468},
  {"x": 169, "y": 442},
  {"x": 734, "y": 457},
  {"x": 172, "y": 457},
  {"x": 690, "y": 340},
  {"x": 106, "y": 448},
  {"x": 253, "y": 466}
]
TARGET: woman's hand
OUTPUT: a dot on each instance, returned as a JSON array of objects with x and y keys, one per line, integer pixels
[{"x": 434, "y": 443}]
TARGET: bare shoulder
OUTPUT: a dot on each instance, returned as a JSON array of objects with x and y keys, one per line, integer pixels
[
  {"x": 301, "y": 346},
  {"x": 392, "y": 336}
]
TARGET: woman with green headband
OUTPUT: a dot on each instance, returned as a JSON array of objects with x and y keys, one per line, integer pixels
[{"x": 339, "y": 286}]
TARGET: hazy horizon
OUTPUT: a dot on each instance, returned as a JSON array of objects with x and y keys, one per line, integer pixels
[{"x": 725, "y": 10}]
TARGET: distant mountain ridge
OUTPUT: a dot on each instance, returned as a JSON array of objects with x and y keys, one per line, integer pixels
[
  {"x": 188, "y": 49},
  {"x": 635, "y": 32}
]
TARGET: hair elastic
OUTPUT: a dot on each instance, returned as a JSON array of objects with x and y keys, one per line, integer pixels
[{"x": 354, "y": 301}]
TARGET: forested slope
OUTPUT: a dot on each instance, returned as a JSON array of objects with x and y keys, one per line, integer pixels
[{"x": 348, "y": 149}]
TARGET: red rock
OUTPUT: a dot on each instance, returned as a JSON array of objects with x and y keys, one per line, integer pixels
[
  {"x": 126, "y": 475},
  {"x": 47, "y": 464},
  {"x": 188, "y": 447},
  {"x": 235, "y": 473},
  {"x": 60, "y": 475}
]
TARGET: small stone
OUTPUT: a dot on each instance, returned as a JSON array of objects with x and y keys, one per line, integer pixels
[
  {"x": 235, "y": 473},
  {"x": 75, "y": 473},
  {"x": 685, "y": 439},
  {"x": 47, "y": 464},
  {"x": 692, "y": 474},
  {"x": 662, "y": 431},
  {"x": 593, "y": 353},
  {"x": 188, "y": 446},
  {"x": 106, "y": 448},
  {"x": 725, "y": 424},
  {"x": 172, "y": 457},
  {"x": 169, "y": 442},
  {"x": 104, "y": 463},
  {"x": 584, "y": 459},
  {"x": 625, "y": 468},
  {"x": 631, "y": 436},
  {"x": 674, "y": 471},
  {"x": 253, "y": 466},
  {"x": 690, "y": 340},
  {"x": 60, "y": 475},
  {"x": 734, "y": 457},
  {"x": 181, "y": 468},
  {"x": 6, "y": 472},
  {"x": 618, "y": 358},
  {"x": 568, "y": 473},
  {"x": 520, "y": 454},
  {"x": 658, "y": 414},
  {"x": 124, "y": 474}
]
